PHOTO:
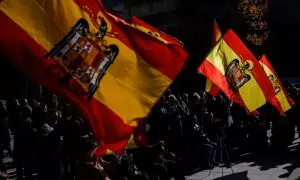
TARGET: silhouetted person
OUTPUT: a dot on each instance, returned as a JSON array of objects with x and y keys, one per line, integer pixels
[
  {"x": 5, "y": 139},
  {"x": 166, "y": 168},
  {"x": 53, "y": 102},
  {"x": 24, "y": 144},
  {"x": 175, "y": 130},
  {"x": 294, "y": 113},
  {"x": 88, "y": 167},
  {"x": 40, "y": 115},
  {"x": 72, "y": 132},
  {"x": 198, "y": 105},
  {"x": 50, "y": 149},
  {"x": 14, "y": 115},
  {"x": 4, "y": 135},
  {"x": 128, "y": 169},
  {"x": 23, "y": 102}
]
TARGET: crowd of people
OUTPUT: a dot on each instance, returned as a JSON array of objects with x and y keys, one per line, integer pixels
[{"x": 51, "y": 141}]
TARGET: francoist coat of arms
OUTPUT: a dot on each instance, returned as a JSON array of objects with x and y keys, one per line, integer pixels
[
  {"x": 275, "y": 83},
  {"x": 236, "y": 73},
  {"x": 85, "y": 55}
]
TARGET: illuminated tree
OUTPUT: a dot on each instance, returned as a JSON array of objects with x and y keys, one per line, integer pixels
[{"x": 253, "y": 15}]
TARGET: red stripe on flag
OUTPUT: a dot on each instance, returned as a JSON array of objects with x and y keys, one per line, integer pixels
[
  {"x": 275, "y": 102},
  {"x": 168, "y": 60},
  {"x": 140, "y": 134},
  {"x": 27, "y": 54},
  {"x": 214, "y": 90}
]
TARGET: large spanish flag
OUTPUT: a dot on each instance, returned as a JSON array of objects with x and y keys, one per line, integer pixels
[
  {"x": 233, "y": 68},
  {"x": 147, "y": 28},
  {"x": 281, "y": 101},
  {"x": 111, "y": 71},
  {"x": 210, "y": 87}
]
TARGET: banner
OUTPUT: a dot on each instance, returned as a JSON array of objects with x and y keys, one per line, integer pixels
[
  {"x": 233, "y": 68},
  {"x": 281, "y": 101},
  {"x": 112, "y": 72}
]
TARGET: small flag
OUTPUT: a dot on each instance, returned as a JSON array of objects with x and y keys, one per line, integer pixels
[
  {"x": 210, "y": 87},
  {"x": 233, "y": 68},
  {"x": 281, "y": 101}
]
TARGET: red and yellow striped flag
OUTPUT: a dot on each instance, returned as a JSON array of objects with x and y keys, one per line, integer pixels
[
  {"x": 210, "y": 87},
  {"x": 233, "y": 68},
  {"x": 111, "y": 71},
  {"x": 281, "y": 101}
]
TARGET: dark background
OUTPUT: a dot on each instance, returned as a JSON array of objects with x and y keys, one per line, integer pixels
[
  {"x": 281, "y": 47},
  {"x": 195, "y": 30},
  {"x": 195, "y": 19}
]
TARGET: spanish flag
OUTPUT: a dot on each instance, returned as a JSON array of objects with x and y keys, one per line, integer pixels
[
  {"x": 281, "y": 101},
  {"x": 233, "y": 68},
  {"x": 112, "y": 72},
  {"x": 210, "y": 87},
  {"x": 147, "y": 28}
]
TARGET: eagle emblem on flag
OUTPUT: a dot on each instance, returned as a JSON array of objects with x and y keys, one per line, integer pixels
[
  {"x": 85, "y": 56},
  {"x": 275, "y": 83},
  {"x": 236, "y": 73}
]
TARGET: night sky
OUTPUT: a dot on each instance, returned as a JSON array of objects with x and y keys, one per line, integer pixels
[
  {"x": 284, "y": 19},
  {"x": 196, "y": 18},
  {"x": 282, "y": 46}
]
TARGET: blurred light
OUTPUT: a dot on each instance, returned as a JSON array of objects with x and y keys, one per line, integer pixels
[{"x": 253, "y": 15}]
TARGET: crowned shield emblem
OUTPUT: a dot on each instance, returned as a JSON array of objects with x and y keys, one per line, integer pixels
[
  {"x": 85, "y": 56},
  {"x": 275, "y": 83},
  {"x": 236, "y": 74}
]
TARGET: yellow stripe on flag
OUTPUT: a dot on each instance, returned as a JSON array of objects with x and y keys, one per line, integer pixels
[
  {"x": 129, "y": 80},
  {"x": 208, "y": 85},
  {"x": 131, "y": 143},
  {"x": 109, "y": 152}
]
